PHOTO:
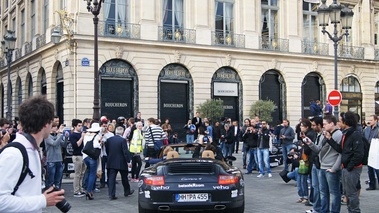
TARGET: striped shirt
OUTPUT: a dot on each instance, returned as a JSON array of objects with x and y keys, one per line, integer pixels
[{"x": 156, "y": 132}]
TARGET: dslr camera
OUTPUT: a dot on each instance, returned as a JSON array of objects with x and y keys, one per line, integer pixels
[{"x": 63, "y": 206}]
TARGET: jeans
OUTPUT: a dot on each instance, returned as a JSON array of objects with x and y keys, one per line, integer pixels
[
  {"x": 190, "y": 138},
  {"x": 293, "y": 175},
  {"x": 228, "y": 149},
  {"x": 285, "y": 150},
  {"x": 237, "y": 143},
  {"x": 316, "y": 189},
  {"x": 302, "y": 185},
  {"x": 371, "y": 176},
  {"x": 80, "y": 169},
  {"x": 264, "y": 158},
  {"x": 104, "y": 160},
  {"x": 244, "y": 153},
  {"x": 252, "y": 159},
  {"x": 330, "y": 192},
  {"x": 349, "y": 183},
  {"x": 92, "y": 165},
  {"x": 54, "y": 174},
  {"x": 222, "y": 147}
]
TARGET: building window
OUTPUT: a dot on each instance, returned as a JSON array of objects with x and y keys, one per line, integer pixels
[
  {"x": 270, "y": 18},
  {"x": 224, "y": 22},
  {"x": 116, "y": 14},
  {"x": 14, "y": 24},
  {"x": 310, "y": 25},
  {"x": 45, "y": 15},
  {"x": 33, "y": 20},
  {"x": 173, "y": 15},
  {"x": 6, "y": 4},
  {"x": 350, "y": 84},
  {"x": 22, "y": 27},
  {"x": 63, "y": 4}
]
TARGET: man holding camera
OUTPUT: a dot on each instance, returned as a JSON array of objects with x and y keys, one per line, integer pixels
[
  {"x": 36, "y": 116},
  {"x": 286, "y": 139}
]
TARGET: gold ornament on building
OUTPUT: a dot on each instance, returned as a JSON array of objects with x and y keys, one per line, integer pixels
[{"x": 65, "y": 27}]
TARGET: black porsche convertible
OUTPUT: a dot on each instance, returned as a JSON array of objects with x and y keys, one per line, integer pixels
[{"x": 182, "y": 181}]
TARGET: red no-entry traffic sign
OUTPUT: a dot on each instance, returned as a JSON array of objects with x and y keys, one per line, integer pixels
[{"x": 334, "y": 97}]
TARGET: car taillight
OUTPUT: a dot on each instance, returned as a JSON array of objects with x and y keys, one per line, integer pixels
[
  {"x": 227, "y": 179},
  {"x": 154, "y": 180}
]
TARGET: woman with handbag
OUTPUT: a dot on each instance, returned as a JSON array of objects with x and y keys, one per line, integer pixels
[{"x": 91, "y": 153}]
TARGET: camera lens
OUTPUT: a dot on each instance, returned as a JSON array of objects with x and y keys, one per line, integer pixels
[{"x": 64, "y": 206}]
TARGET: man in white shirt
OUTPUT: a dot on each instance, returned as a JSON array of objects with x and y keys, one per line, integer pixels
[{"x": 36, "y": 116}]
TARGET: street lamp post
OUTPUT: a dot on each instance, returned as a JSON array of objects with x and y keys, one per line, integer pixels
[
  {"x": 8, "y": 45},
  {"x": 336, "y": 13},
  {"x": 94, "y": 8}
]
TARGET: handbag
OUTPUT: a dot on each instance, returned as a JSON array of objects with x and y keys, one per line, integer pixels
[
  {"x": 303, "y": 164},
  {"x": 89, "y": 150}
]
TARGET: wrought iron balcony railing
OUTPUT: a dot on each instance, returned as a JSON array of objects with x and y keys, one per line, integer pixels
[
  {"x": 347, "y": 51},
  {"x": 28, "y": 47},
  {"x": 17, "y": 53},
  {"x": 119, "y": 29},
  {"x": 314, "y": 48},
  {"x": 275, "y": 44},
  {"x": 175, "y": 34},
  {"x": 40, "y": 41},
  {"x": 376, "y": 54},
  {"x": 225, "y": 38}
]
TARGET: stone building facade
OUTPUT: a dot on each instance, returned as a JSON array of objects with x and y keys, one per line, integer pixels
[{"x": 165, "y": 57}]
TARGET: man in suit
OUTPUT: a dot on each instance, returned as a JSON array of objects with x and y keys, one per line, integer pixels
[
  {"x": 197, "y": 122},
  {"x": 118, "y": 161}
]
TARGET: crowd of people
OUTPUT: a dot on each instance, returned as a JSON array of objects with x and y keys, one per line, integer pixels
[{"x": 321, "y": 151}]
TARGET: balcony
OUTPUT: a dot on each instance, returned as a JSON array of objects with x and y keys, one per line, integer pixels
[
  {"x": 28, "y": 47},
  {"x": 175, "y": 34},
  {"x": 229, "y": 39},
  {"x": 17, "y": 53},
  {"x": 314, "y": 48},
  {"x": 376, "y": 54},
  {"x": 119, "y": 29},
  {"x": 40, "y": 41},
  {"x": 347, "y": 51},
  {"x": 273, "y": 44}
]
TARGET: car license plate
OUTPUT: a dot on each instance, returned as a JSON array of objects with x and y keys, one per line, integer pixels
[{"x": 192, "y": 197}]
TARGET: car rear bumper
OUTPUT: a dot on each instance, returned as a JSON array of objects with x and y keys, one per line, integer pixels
[{"x": 190, "y": 206}]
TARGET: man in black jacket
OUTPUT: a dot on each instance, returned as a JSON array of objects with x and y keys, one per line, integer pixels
[
  {"x": 118, "y": 161},
  {"x": 352, "y": 151},
  {"x": 263, "y": 150},
  {"x": 251, "y": 138}
]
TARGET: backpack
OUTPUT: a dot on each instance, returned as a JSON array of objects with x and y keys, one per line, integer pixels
[{"x": 25, "y": 166}]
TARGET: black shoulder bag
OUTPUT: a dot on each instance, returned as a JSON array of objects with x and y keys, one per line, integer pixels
[{"x": 89, "y": 150}]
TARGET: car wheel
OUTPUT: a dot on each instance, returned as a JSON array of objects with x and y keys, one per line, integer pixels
[{"x": 142, "y": 210}]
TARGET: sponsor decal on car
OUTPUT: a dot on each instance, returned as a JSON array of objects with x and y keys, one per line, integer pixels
[
  {"x": 147, "y": 194},
  {"x": 221, "y": 187},
  {"x": 160, "y": 187},
  {"x": 192, "y": 179},
  {"x": 190, "y": 185},
  {"x": 234, "y": 193},
  {"x": 242, "y": 182},
  {"x": 140, "y": 183}
]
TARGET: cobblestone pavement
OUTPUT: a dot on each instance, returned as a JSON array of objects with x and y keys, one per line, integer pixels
[{"x": 262, "y": 195}]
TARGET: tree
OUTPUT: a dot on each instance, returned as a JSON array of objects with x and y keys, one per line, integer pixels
[
  {"x": 212, "y": 109},
  {"x": 263, "y": 109}
]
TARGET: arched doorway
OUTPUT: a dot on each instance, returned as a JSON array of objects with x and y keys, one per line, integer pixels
[
  {"x": 59, "y": 93},
  {"x": 351, "y": 95},
  {"x": 43, "y": 82},
  {"x": 29, "y": 79},
  {"x": 227, "y": 86},
  {"x": 312, "y": 88},
  {"x": 175, "y": 89},
  {"x": 272, "y": 87},
  {"x": 118, "y": 89}
]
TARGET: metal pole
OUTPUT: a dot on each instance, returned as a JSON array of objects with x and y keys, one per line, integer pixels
[
  {"x": 9, "y": 95},
  {"x": 335, "y": 67},
  {"x": 96, "y": 101}
]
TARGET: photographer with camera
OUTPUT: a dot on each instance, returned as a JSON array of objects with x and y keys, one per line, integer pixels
[
  {"x": 251, "y": 138},
  {"x": 36, "y": 116}
]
